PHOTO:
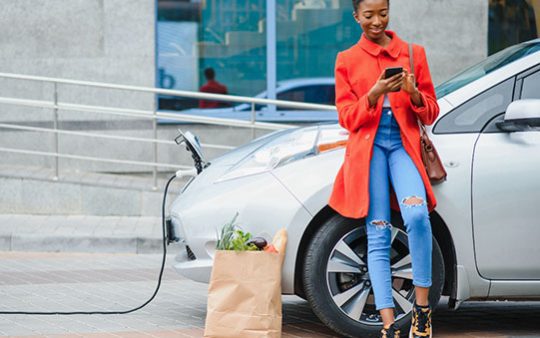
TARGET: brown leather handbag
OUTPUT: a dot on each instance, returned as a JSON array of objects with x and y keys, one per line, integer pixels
[{"x": 430, "y": 157}]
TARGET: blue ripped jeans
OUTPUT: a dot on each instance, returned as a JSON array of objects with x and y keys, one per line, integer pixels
[{"x": 390, "y": 162}]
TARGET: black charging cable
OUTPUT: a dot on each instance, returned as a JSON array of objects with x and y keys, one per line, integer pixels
[{"x": 165, "y": 239}]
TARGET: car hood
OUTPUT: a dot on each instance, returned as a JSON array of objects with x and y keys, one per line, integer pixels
[
  {"x": 234, "y": 156},
  {"x": 220, "y": 165}
]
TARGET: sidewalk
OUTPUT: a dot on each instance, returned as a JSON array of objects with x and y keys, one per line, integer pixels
[
  {"x": 113, "y": 275},
  {"x": 108, "y": 282},
  {"x": 112, "y": 282},
  {"x": 77, "y": 233}
]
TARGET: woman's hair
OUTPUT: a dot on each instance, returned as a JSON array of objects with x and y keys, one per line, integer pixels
[{"x": 356, "y": 3}]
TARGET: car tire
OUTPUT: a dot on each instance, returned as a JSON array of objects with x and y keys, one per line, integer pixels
[{"x": 326, "y": 248}]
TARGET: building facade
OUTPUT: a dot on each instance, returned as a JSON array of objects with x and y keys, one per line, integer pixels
[
  {"x": 169, "y": 44},
  {"x": 231, "y": 37}
]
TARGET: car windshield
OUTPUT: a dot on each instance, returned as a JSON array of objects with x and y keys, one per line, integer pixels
[{"x": 487, "y": 66}]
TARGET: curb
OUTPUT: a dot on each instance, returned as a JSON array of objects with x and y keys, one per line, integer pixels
[{"x": 90, "y": 244}]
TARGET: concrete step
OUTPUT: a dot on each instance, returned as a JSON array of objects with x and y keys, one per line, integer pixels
[
  {"x": 33, "y": 190},
  {"x": 80, "y": 233}
]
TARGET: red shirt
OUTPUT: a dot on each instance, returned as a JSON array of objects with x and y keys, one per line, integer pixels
[
  {"x": 356, "y": 71},
  {"x": 212, "y": 86}
]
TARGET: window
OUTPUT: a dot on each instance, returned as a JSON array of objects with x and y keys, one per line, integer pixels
[
  {"x": 471, "y": 116},
  {"x": 529, "y": 90},
  {"x": 511, "y": 22},
  {"x": 487, "y": 66},
  {"x": 308, "y": 35},
  {"x": 193, "y": 36},
  {"x": 531, "y": 86},
  {"x": 231, "y": 38},
  {"x": 319, "y": 94}
]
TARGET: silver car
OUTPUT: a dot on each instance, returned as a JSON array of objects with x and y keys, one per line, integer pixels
[
  {"x": 486, "y": 226},
  {"x": 318, "y": 90}
]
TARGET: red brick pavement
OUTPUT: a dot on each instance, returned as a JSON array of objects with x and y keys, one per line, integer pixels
[{"x": 182, "y": 298}]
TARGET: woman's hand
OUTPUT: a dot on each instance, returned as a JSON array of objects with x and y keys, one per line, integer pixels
[
  {"x": 409, "y": 86},
  {"x": 383, "y": 86}
]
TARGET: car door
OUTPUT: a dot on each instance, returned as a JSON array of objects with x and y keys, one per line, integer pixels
[
  {"x": 315, "y": 93},
  {"x": 506, "y": 195}
]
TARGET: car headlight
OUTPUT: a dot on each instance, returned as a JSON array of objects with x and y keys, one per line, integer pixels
[{"x": 288, "y": 148}]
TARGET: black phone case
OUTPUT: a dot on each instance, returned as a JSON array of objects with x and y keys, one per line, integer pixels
[{"x": 389, "y": 72}]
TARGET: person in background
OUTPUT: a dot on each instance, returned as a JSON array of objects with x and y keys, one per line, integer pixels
[{"x": 212, "y": 86}]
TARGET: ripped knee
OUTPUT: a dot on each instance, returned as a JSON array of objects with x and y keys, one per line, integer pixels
[
  {"x": 413, "y": 201},
  {"x": 381, "y": 224}
]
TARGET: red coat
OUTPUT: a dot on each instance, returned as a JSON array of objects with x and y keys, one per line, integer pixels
[{"x": 356, "y": 71}]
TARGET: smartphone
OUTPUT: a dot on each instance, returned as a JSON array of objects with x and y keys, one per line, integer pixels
[{"x": 389, "y": 72}]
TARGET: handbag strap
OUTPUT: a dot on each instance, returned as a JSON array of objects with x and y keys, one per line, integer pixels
[
  {"x": 411, "y": 59},
  {"x": 411, "y": 67}
]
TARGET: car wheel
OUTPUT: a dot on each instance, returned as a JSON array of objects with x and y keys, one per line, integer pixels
[{"x": 336, "y": 280}]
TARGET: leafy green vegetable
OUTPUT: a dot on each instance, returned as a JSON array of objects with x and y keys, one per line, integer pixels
[
  {"x": 227, "y": 232},
  {"x": 233, "y": 238}
]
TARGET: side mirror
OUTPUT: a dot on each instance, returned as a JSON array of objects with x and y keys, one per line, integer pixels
[{"x": 521, "y": 115}]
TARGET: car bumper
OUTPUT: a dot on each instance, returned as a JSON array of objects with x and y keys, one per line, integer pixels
[
  {"x": 264, "y": 206},
  {"x": 195, "y": 269}
]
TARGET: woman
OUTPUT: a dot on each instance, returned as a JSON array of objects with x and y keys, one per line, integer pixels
[{"x": 383, "y": 163}]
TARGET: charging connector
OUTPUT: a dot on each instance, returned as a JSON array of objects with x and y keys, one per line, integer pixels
[{"x": 187, "y": 172}]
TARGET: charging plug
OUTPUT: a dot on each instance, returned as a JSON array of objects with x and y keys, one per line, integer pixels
[{"x": 186, "y": 172}]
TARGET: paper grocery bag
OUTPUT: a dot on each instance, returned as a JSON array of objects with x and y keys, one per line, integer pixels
[{"x": 244, "y": 295}]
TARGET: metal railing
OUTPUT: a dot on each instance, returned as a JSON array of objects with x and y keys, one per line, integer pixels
[{"x": 154, "y": 115}]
